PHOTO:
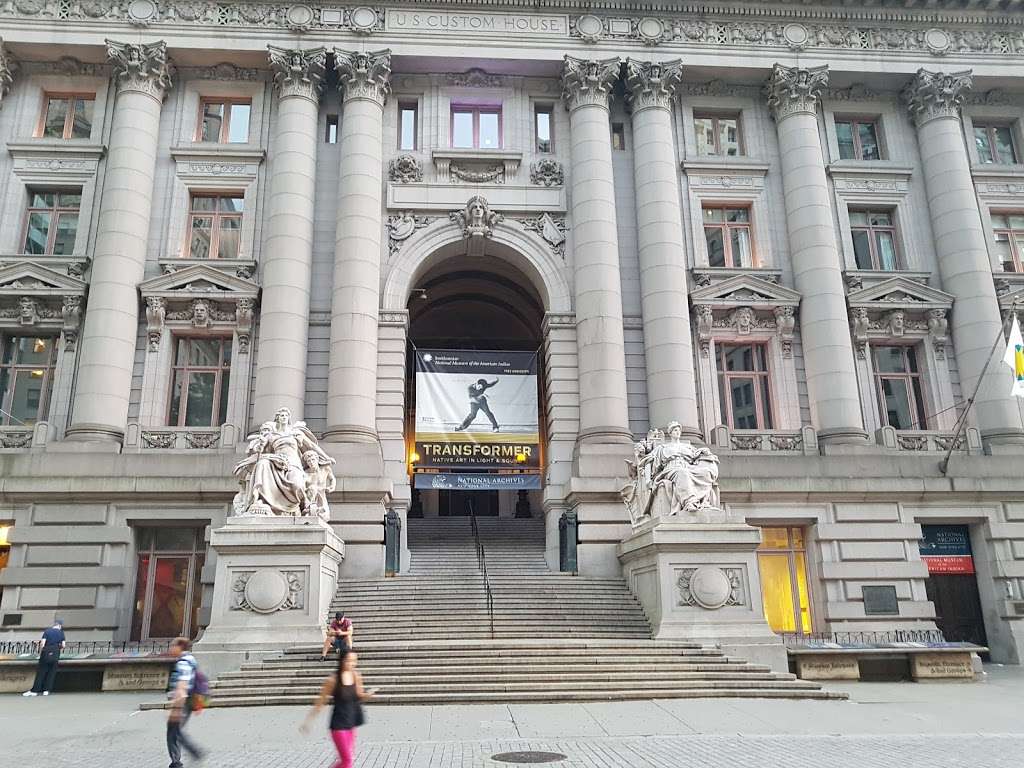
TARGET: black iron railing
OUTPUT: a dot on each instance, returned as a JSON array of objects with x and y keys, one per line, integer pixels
[
  {"x": 89, "y": 648},
  {"x": 792, "y": 639},
  {"x": 481, "y": 563}
]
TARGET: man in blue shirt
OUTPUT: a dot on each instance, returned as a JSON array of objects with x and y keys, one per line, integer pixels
[
  {"x": 179, "y": 691},
  {"x": 50, "y": 646}
]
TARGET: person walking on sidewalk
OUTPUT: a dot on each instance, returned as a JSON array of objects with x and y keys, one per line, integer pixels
[
  {"x": 346, "y": 687},
  {"x": 339, "y": 635},
  {"x": 50, "y": 646},
  {"x": 182, "y": 683}
]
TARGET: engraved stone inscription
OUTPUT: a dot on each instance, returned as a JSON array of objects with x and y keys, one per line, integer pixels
[
  {"x": 932, "y": 666},
  {"x": 484, "y": 23},
  {"x": 827, "y": 668},
  {"x": 135, "y": 677}
]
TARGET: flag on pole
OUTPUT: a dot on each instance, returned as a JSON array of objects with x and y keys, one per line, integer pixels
[{"x": 1014, "y": 358}]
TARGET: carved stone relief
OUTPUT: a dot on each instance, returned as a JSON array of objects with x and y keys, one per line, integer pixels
[
  {"x": 405, "y": 169},
  {"x": 711, "y": 587},
  {"x": 268, "y": 590}
]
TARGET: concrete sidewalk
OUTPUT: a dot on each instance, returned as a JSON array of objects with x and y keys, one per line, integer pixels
[{"x": 935, "y": 725}]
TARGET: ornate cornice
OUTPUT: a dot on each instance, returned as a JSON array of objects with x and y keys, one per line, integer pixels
[
  {"x": 792, "y": 90},
  {"x": 142, "y": 67},
  {"x": 588, "y": 81},
  {"x": 8, "y": 66},
  {"x": 936, "y": 94},
  {"x": 364, "y": 75},
  {"x": 296, "y": 72},
  {"x": 652, "y": 84}
]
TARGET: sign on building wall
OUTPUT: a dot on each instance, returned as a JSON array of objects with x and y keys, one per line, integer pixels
[
  {"x": 947, "y": 548},
  {"x": 476, "y": 412}
]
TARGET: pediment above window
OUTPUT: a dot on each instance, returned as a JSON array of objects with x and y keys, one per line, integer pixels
[
  {"x": 899, "y": 308},
  {"x": 54, "y": 161},
  {"x": 744, "y": 305},
  {"x": 33, "y": 297},
  {"x": 199, "y": 296}
]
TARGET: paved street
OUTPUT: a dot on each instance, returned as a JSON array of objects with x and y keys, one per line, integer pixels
[{"x": 941, "y": 725}]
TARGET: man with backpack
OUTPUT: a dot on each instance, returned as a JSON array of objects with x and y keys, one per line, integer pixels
[{"x": 186, "y": 691}]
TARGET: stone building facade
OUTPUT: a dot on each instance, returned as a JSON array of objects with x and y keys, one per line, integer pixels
[{"x": 797, "y": 230}]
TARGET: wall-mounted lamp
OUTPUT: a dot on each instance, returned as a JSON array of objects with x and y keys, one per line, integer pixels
[
  {"x": 420, "y": 293},
  {"x": 520, "y": 458},
  {"x": 413, "y": 457}
]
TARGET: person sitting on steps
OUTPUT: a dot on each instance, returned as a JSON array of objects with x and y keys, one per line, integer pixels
[{"x": 339, "y": 635}]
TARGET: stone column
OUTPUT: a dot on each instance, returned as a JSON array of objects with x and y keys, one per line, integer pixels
[
  {"x": 933, "y": 99},
  {"x": 109, "y": 336},
  {"x": 364, "y": 79},
  {"x": 586, "y": 87},
  {"x": 287, "y": 259},
  {"x": 817, "y": 269},
  {"x": 671, "y": 388}
]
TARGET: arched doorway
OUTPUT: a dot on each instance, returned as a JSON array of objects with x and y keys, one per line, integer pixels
[{"x": 483, "y": 304}]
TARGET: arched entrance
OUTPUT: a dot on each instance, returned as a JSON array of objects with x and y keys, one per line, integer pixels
[{"x": 477, "y": 304}]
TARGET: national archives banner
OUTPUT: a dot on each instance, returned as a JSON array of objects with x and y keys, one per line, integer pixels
[{"x": 476, "y": 412}]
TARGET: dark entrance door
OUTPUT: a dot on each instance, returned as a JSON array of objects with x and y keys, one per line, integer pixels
[
  {"x": 957, "y": 606},
  {"x": 952, "y": 584},
  {"x": 457, "y": 503}
]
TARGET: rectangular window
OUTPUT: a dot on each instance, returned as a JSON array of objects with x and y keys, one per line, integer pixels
[
  {"x": 782, "y": 562},
  {"x": 995, "y": 144},
  {"x": 743, "y": 386},
  {"x": 476, "y": 127},
  {"x": 214, "y": 226},
  {"x": 898, "y": 381},
  {"x": 168, "y": 588},
  {"x": 26, "y": 375},
  {"x": 66, "y": 116},
  {"x": 407, "y": 125},
  {"x": 543, "y": 127},
  {"x": 224, "y": 121},
  {"x": 51, "y": 222},
  {"x": 619, "y": 136},
  {"x": 199, "y": 381},
  {"x": 727, "y": 232},
  {"x": 1008, "y": 231},
  {"x": 858, "y": 139},
  {"x": 331, "y": 131},
  {"x": 874, "y": 240},
  {"x": 718, "y": 135}
]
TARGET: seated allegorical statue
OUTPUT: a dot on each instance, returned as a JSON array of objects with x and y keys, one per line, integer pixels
[{"x": 670, "y": 476}]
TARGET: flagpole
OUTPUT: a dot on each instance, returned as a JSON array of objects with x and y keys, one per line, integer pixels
[{"x": 962, "y": 421}]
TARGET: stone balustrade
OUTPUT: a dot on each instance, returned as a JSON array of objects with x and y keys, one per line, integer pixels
[
  {"x": 139, "y": 438},
  {"x": 790, "y": 442}
]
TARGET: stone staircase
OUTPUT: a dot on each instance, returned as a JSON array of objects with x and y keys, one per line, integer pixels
[{"x": 425, "y": 637}]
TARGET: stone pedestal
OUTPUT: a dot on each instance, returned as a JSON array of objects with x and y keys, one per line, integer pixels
[
  {"x": 275, "y": 580},
  {"x": 699, "y": 581}
]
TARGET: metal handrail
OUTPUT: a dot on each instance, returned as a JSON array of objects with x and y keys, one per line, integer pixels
[
  {"x": 481, "y": 562},
  {"x": 91, "y": 647},
  {"x": 791, "y": 639}
]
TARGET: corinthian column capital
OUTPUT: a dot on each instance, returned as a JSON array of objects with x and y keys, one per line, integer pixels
[
  {"x": 935, "y": 94},
  {"x": 142, "y": 67},
  {"x": 793, "y": 89},
  {"x": 364, "y": 75},
  {"x": 652, "y": 84},
  {"x": 298, "y": 73},
  {"x": 8, "y": 66},
  {"x": 588, "y": 81}
]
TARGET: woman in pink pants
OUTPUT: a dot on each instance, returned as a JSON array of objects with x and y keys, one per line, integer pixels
[{"x": 346, "y": 688}]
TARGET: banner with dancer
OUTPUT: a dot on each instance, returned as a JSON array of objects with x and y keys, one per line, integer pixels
[{"x": 476, "y": 410}]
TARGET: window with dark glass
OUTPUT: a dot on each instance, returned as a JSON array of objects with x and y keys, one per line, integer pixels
[
  {"x": 727, "y": 232},
  {"x": 543, "y": 127},
  {"x": 331, "y": 130},
  {"x": 51, "y": 222},
  {"x": 718, "y": 134},
  {"x": 26, "y": 376},
  {"x": 168, "y": 587},
  {"x": 858, "y": 140},
  {"x": 898, "y": 381},
  {"x": 475, "y": 127},
  {"x": 66, "y": 116},
  {"x": 199, "y": 381},
  {"x": 995, "y": 144},
  {"x": 1008, "y": 232},
  {"x": 224, "y": 121},
  {"x": 743, "y": 386},
  {"x": 618, "y": 136},
  {"x": 874, "y": 240},
  {"x": 214, "y": 226},
  {"x": 407, "y": 124}
]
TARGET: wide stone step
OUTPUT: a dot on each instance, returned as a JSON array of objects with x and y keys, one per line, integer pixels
[{"x": 419, "y": 668}]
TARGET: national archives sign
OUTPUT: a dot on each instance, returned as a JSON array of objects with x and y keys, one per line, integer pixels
[{"x": 496, "y": 23}]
